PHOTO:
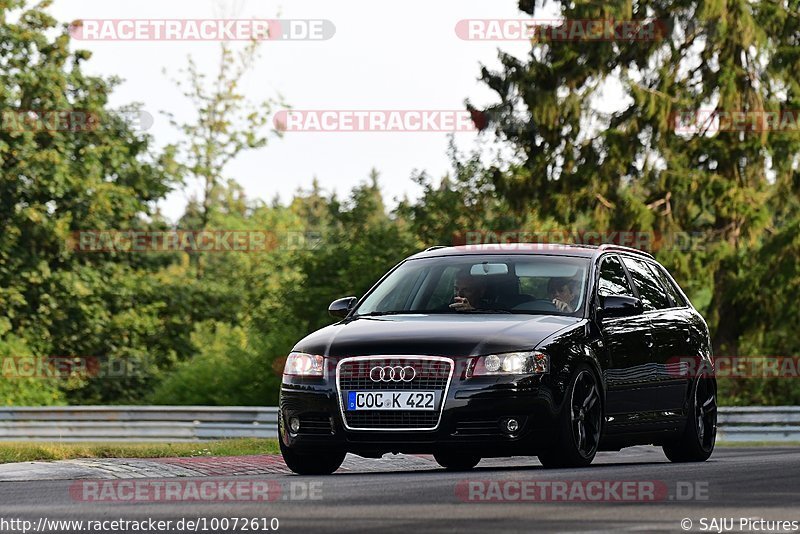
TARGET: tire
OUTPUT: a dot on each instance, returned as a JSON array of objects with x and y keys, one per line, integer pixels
[
  {"x": 580, "y": 423},
  {"x": 457, "y": 462},
  {"x": 318, "y": 463},
  {"x": 696, "y": 442}
]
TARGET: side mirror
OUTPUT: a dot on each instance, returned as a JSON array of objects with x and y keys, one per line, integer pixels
[
  {"x": 340, "y": 308},
  {"x": 619, "y": 306}
]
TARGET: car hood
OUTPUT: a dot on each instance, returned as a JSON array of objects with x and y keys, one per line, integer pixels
[{"x": 436, "y": 335}]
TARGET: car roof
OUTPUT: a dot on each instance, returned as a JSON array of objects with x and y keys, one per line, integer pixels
[{"x": 511, "y": 249}]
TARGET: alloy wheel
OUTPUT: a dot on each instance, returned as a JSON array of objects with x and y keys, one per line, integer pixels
[
  {"x": 705, "y": 407},
  {"x": 586, "y": 413}
]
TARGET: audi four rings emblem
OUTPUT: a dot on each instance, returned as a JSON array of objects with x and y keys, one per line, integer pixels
[{"x": 389, "y": 373}]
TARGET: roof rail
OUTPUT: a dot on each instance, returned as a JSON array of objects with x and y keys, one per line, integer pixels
[
  {"x": 435, "y": 247},
  {"x": 620, "y": 248}
]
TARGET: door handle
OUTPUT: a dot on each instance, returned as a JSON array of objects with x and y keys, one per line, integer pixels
[{"x": 648, "y": 340}]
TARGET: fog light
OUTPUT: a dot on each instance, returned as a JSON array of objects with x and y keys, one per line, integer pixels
[
  {"x": 294, "y": 424},
  {"x": 512, "y": 425}
]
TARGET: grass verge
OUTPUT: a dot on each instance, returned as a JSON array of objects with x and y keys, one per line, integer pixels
[{"x": 32, "y": 451}]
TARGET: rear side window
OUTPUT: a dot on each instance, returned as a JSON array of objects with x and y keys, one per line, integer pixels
[
  {"x": 613, "y": 280},
  {"x": 653, "y": 295},
  {"x": 661, "y": 274}
]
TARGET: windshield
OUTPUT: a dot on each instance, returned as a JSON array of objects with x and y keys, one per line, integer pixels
[{"x": 535, "y": 284}]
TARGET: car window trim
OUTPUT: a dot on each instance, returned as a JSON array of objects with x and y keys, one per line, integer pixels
[
  {"x": 657, "y": 272},
  {"x": 632, "y": 286},
  {"x": 676, "y": 287},
  {"x": 599, "y": 268},
  {"x": 649, "y": 266},
  {"x": 664, "y": 269},
  {"x": 635, "y": 258}
]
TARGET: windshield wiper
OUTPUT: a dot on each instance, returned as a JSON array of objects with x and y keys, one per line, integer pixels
[
  {"x": 429, "y": 312},
  {"x": 381, "y": 313},
  {"x": 482, "y": 310}
]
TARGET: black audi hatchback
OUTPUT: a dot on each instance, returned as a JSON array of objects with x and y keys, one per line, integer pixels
[{"x": 499, "y": 350}]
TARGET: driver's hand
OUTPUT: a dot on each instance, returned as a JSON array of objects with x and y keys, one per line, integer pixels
[
  {"x": 561, "y": 305},
  {"x": 461, "y": 304}
]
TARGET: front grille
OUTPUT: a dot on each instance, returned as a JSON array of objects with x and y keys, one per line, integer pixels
[
  {"x": 392, "y": 419},
  {"x": 430, "y": 374}
]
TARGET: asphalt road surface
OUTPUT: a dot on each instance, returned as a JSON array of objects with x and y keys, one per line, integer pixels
[{"x": 651, "y": 494}]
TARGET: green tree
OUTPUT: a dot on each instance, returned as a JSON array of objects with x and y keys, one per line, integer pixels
[
  {"x": 226, "y": 125},
  {"x": 15, "y": 387},
  {"x": 464, "y": 201},
  {"x": 99, "y": 174}
]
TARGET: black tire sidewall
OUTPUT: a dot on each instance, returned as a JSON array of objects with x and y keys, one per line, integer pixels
[
  {"x": 688, "y": 448},
  {"x": 565, "y": 453},
  {"x": 316, "y": 463}
]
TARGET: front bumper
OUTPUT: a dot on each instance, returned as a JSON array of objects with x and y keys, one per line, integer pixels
[{"x": 472, "y": 420}]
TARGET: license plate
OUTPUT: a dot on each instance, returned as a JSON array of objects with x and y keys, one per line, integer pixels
[{"x": 391, "y": 400}]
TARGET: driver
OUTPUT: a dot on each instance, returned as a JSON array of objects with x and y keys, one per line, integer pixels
[
  {"x": 469, "y": 292},
  {"x": 563, "y": 294}
]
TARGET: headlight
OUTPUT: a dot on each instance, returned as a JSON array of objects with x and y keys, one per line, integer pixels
[
  {"x": 510, "y": 363},
  {"x": 302, "y": 364}
]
